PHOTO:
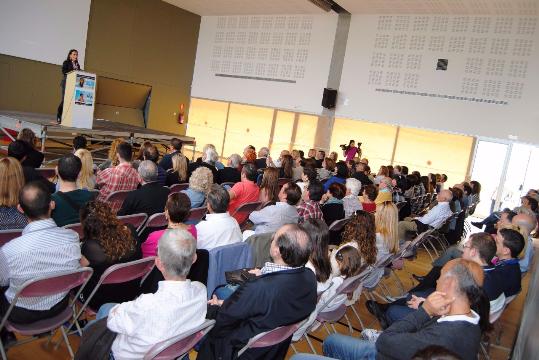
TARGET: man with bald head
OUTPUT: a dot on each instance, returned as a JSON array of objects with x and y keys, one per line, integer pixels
[
  {"x": 435, "y": 218},
  {"x": 284, "y": 293},
  {"x": 527, "y": 223}
]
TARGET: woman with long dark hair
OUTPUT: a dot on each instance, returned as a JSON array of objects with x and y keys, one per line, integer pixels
[
  {"x": 70, "y": 64},
  {"x": 350, "y": 151}
]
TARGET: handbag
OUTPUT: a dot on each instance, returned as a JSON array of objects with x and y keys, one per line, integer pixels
[{"x": 238, "y": 277}]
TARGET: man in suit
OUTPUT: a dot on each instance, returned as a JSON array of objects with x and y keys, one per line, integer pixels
[
  {"x": 151, "y": 197},
  {"x": 283, "y": 293}
]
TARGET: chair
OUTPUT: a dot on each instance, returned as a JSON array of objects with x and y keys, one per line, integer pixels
[
  {"x": 116, "y": 198},
  {"x": 227, "y": 258},
  {"x": 49, "y": 285},
  {"x": 155, "y": 221},
  {"x": 137, "y": 220},
  {"x": 47, "y": 173},
  {"x": 8, "y": 235},
  {"x": 196, "y": 215},
  {"x": 269, "y": 338},
  {"x": 338, "y": 225},
  {"x": 179, "y": 345},
  {"x": 176, "y": 188},
  {"x": 76, "y": 228},
  {"x": 335, "y": 231},
  {"x": 117, "y": 274},
  {"x": 246, "y": 209}
]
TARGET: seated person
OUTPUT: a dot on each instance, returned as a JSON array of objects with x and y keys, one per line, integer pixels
[
  {"x": 69, "y": 198},
  {"x": 453, "y": 317},
  {"x": 42, "y": 249},
  {"x": 433, "y": 219},
  {"x": 327, "y": 169},
  {"x": 332, "y": 203},
  {"x": 35, "y": 157},
  {"x": 272, "y": 217},
  {"x": 230, "y": 173},
  {"x": 219, "y": 228},
  {"x": 178, "y": 174},
  {"x": 152, "y": 154},
  {"x": 527, "y": 202},
  {"x": 175, "y": 148},
  {"x": 527, "y": 224},
  {"x": 351, "y": 199},
  {"x": 361, "y": 174},
  {"x": 244, "y": 191},
  {"x": 179, "y": 305},
  {"x": 284, "y": 293},
  {"x": 11, "y": 183},
  {"x": 151, "y": 197},
  {"x": 370, "y": 193},
  {"x": 107, "y": 242},
  {"x": 19, "y": 150},
  {"x": 176, "y": 211},
  {"x": 339, "y": 177},
  {"x": 310, "y": 207},
  {"x": 199, "y": 184}
]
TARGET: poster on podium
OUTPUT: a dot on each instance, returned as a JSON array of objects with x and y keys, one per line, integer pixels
[{"x": 79, "y": 100}]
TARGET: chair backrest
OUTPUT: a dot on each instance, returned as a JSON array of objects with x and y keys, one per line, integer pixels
[
  {"x": 116, "y": 198},
  {"x": 227, "y": 258},
  {"x": 338, "y": 225},
  {"x": 8, "y": 235},
  {"x": 47, "y": 173},
  {"x": 137, "y": 220},
  {"x": 158, "y": 220},
  {"x": 176, "y": 188},
  {"x": 196, "y": 214},
  {"x": 55, "y": 283},
  {"x": 350, "y": 284},
  {"x": 247, "y": 208},
  {"x": 270, "y": 338},
  {"x": 124, "y": 272},
  {"x": 76, "y": 228},
  {"x": 179, "y": 345}
]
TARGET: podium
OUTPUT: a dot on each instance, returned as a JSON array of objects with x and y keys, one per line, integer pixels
[{"x": 79, "y": 100}]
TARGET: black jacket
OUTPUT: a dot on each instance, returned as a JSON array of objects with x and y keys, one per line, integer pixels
[
  {"x": 34, "y": 158},
  {"x": 269, "y": 301},
  {"x": 67, "y": 66},
  {"x": 149, "y": 198},
  {"x": 228, "y": 174},
  {"x": 31, "y": 174}
]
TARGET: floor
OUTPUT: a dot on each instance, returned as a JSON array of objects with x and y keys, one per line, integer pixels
[{"x": 508, "y": 322}]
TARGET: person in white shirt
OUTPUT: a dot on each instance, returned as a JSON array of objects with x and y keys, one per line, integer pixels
[
  {"x": 271, "y": 218},
  {"x": 219, "y": 228},
  {"x": 435, "y": 218},
  {"x": 351, "y": 202},
  {"x": 178, "y": 305}
]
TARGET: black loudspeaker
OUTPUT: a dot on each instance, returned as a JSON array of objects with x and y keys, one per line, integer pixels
[{"x": 329, "y": 99}]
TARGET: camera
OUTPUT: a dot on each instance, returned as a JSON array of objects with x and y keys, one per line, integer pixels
[{"x": 343, "y": 146}]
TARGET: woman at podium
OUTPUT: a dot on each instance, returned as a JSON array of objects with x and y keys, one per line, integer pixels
[{"x": 70, "y": 64}]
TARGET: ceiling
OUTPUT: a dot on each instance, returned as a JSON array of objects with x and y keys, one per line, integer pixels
[{"x": 447, "y": 7}]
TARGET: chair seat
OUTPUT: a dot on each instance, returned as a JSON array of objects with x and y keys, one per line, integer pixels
[
  {"x": 41, "y": 326},
  {"x": 332, "y": 316}
]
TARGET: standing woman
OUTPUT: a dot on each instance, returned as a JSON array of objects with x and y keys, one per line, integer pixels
[
  {"x": 70, "y": 64},
  {"x": 350, "y": 151}
]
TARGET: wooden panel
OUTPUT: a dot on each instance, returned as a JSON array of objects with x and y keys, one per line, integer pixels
[{"x": 121, "y": 93}]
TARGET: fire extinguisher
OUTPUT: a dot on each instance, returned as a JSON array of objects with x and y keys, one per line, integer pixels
[{"x": 181, "y": 114}]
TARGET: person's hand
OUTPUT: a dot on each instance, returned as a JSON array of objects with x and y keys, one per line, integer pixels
[
  {"x": 437, "y": 304},
  {"x": 325, "y": 198},
  {"x": 414, "y": 302},
  {"x": 256, "y": 271},
  {"x": 215, "y": 301}
]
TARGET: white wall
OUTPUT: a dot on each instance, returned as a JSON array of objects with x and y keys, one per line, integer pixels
[
  {"x": 294, "y": 49},
  {"x": 43, "y": 30},
  {"x": 491, "y": 76}
]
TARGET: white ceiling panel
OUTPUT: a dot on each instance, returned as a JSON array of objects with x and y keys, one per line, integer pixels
[
  {"x": 448, "y": 7},
  {"x": 247, "y": 7}
]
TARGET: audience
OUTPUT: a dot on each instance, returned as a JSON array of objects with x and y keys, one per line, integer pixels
[
  {"x": 152, "y": 154},
  {"x": 382, "y": 174},
  {"x": 69, "y": 198},
  {"x": 326, "y": 170},
  {"x": 176, "y": 211},
  {"x": 175, "y": 148},
  {"x": 209, "y": 159},
  {"x": 308, "y": 176},
  {"x": 112, "y": 159},
  {"x": 118, "y": 177},
  {"x": 243, "y": 192},
  {"x": 386, "y": 221},
  {"x": 86, "y": 178},
  {"x": 320, "y": 156},
  {"x": 370, "y": 193},
  {"x": 106, "y": 242},
  {"x": 199, "y": 184},
  {"x": 339, "y": 177},
  {"x": 11, "y": 183},
  {"x": 310, "y": 207},
  {"x": 332, "y": 203},
  {"x": 269, "y": 187},
  {"x": 19, "y": 150},
  {"x": 34, "y": 158},
  {"x": 285, "y": 171},
  {"x": 284, "y": 293},
  {"x": 351, "y": 199},
  {"x": 42, "y": 249},
  {"x": 178, "y": 305},
  {"x": 79, "y": 142},
  {"x": 219, "y": 228},
  {"x": 527, "y": 224},
  {"x": 230, "y": 173},
  {"x": 262, "y": 160},
  {"x": 151, "y": 197},
  {"x": 361, "y": 174},
  {"x": 178, "y": 174}
]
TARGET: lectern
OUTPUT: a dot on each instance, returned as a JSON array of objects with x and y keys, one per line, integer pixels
[{"x": 79, "y": 100}]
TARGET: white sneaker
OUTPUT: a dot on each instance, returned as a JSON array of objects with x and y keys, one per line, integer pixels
[{"x": 370, "y": 335}]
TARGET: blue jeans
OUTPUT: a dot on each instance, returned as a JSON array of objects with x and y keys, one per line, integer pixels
[
  {"x": 224, "y": 292},
  {"x": 103, "y": 312},
  {"x": 399, "y": 310},
  {"x": 349, "y": 348}
]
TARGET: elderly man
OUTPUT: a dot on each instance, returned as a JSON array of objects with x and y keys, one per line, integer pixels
[
  {"x": 219, "y": 228},
  {"x": 283, "y": 294},
  {"x": 527, "y": 223},
  {"x": 151, "y": 197},
  {"x": 178, "y": 305},
  {"x": 435, "y": 218},
  {"x": 351, "y": 199},
  {"x": 230, "y": 173},
  {"x": 151, "y": 153},
  {"x": 262, "y": 160},
  {"x": 445, "y": 319}
]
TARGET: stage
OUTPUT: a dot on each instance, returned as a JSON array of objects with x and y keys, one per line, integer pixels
[{"x": 56, "y": 138}]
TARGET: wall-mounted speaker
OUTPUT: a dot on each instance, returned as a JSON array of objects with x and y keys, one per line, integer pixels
[{"x": 329, "y": 98}]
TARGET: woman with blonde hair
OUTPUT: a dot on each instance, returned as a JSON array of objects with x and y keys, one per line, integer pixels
[
  {"x": 11, "y": 183},
  {"x": 86, "y": 178},
  {"x": 199, "y": 185},
  {"x": 387, "y": 222},
  {"x": 269, "y": 187},
  {"x": 178, "y": 174},
  {"x": 112, "y": 158},
  {"x": 34, "y": 158}
]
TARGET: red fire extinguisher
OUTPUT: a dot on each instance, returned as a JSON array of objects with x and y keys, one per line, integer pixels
[{"x": 181, "y": 114}]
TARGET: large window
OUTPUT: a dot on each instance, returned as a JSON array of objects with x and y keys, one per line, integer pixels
[
  {"x": 282, "y": 133},
  {"x": 305, "y": 132},
  {"x": 207, "y": 121}
]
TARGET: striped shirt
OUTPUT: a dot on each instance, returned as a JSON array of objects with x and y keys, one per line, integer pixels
[{"x": 42, "y": 249}]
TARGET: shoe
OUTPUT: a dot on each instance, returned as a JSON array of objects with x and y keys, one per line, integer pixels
[
  {"x": 370, "y": 335},
  {"x": 477, "y": 224},
  {"x": 378, "y": 310},
  {"x": 418, "y": 278}
]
